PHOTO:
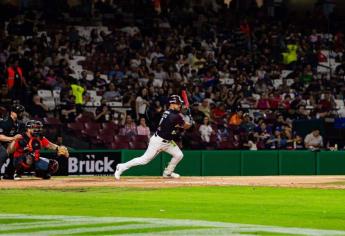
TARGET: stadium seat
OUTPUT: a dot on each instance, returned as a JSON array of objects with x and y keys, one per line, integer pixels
[
  {"x": 111, "y": 126},
  {"x": 140, "y": 138},
  {"x": 90, "y": 133},
  {"x": 225, "y": 145},
  {"x": 45, "y": 93},
  {"x": 76, "y": 127},
  {"x": 92, "y": 125},
  {"x": 137, "y": 145},
  {"x": 111, "y": 132},
  {"x": 119, "y": 145},
  {"x": 122, "y": 138},
  {"x": 85, "y": 117},
  {"x": 105, "y": 138},
  {"x": 51, "y": 121}
]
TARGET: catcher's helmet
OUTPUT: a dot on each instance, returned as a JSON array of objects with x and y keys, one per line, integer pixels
[
  {"x": 175, "y": 99},
  {"x": 36, "y": 125}
]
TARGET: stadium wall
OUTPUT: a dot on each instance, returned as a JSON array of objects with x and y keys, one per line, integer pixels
[{"x": 207, "y": 163}]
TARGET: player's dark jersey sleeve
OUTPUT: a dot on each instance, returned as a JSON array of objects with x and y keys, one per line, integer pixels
[
  {"x": 5, "y": 127},
  {"x": 178, "y": 119}
]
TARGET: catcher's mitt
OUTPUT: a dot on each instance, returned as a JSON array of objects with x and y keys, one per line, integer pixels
[{"x": 62, "y": 151}]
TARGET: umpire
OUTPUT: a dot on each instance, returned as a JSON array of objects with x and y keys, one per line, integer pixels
[{"x": 9, "y": 131}]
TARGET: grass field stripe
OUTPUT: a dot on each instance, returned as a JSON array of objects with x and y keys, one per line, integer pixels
[
  {"x": 65, "y": 227},
  {"x": 227, "y": 227},
  {"x": 60, "y": 223},
  {"x": 86, "y": 230},
  {"x": 204, "y": 232},
  {"x": 21, "y": 221},
  {"x": 136, "y": 231}
]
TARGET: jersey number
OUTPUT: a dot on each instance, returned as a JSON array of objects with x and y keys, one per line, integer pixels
[{"x": 164, "y": 116}]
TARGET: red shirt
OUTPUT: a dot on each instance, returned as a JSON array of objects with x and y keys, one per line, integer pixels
[
  {"x": 218, "y": 113},
  {"x": 26, "y": 145}
]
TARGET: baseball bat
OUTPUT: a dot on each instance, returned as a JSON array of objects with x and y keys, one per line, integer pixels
[{"x": 185, "y": 98}]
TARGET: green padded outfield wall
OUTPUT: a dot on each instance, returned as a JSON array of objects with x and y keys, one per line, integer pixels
[
  {"x": 331, "y": 163},
  {"x": 221, "y": 163},
  {"x": 249, "y": 163},
  {"x": 297, "y": 163},
  {"x": 260, "y": 163},
  {"x": 190, "y": 164}
]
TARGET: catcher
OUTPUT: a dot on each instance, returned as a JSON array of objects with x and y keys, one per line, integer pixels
[{"x": 26, "y": 152}]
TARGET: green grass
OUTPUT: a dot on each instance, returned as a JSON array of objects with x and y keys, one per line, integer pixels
[
  {"x": 147, "y": 230},
  {"x": 10, "y": 221},
  {"x": 309, "y": 208},
  {"x": 65, "y": 227}
]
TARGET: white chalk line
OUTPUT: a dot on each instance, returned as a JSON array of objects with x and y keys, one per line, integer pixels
[{"x": 215, "y": 228}]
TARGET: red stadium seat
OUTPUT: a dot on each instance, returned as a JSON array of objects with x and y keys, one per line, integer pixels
[
  {"x": 137, "y": 145},
  {"x": 90, "y": 133},
  {"x": 140, "y": 138},
  {"x": 122, "y": 138},
  {"x": 225, "y": 145},
  {"x": 51, "y": 121},
  {"x": 86, "y": 117},
  {"x": 77, "y": 126},
  {"x": 108, "y": 132},
  {"x": 110, "y": 125},
  {"x": 119, "y": 145},
  {"x": 105, "y": 138},
  {"x": 92, "y": 125}
]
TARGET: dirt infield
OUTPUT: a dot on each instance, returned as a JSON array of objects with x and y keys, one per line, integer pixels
[{"x": 329, "y": 182}]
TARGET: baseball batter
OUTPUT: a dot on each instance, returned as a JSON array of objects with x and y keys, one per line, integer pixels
[{"x": 162, "y": 140}]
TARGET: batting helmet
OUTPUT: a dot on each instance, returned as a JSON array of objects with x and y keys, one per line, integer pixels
[{"x": 175, "y": 99}]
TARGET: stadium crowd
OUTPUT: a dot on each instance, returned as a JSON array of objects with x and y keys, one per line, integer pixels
[{"x": 248, "y": 78}]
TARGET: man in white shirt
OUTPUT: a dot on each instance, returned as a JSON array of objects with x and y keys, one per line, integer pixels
[{"x": 314, "y": 140}]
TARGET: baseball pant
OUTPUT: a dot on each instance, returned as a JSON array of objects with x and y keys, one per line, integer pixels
[{"x": 157, "y": 145}]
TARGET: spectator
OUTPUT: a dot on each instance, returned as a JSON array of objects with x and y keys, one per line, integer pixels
[
  {"x": 142, "y": 128},
  {"x": 129, "y": 128},
  {"x": 197, "y": 115},
  {"x": 222, "y": 133},
  {"x": 313, "y": 140},
  {"x": 326, "y": 105},
  {"x": 204, "y": 107},
  {"x": 247, "y": 124},
  {"x": 263, "y": 102},
  {"x": 219, "y": 112},
  {"x": 68, "y": 110},
  {"x": 206, "y": 130},
  {"x": 16, "y": 82},
  {"x": 5, "y": 99},
  {"x": 38, "y": 109},
  {"x": 276, "y": 141},
  {"x": 112, "y": 94},
  {"x": 236, "y": 118},
  {"x": 103, "y": 113},
  {"x": 141, "y": 103}
]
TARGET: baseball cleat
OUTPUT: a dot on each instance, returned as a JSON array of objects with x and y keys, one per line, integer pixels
[
  {"x": 17, "y": 177},
  {"x": 172, "y": 175},
  {"x": 118, "y": 172}
]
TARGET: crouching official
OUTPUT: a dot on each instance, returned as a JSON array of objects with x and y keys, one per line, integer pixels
[{"x": 26, "y": 155}]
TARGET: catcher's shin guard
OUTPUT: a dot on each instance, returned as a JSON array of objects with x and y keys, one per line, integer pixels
[{"x": 53, "y": 166}]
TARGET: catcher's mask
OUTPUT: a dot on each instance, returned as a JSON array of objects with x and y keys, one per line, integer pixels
[{"x": 34, "y": 127}]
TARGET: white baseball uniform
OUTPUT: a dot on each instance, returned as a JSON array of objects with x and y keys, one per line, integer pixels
[{"x": 162, "y": 140}]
